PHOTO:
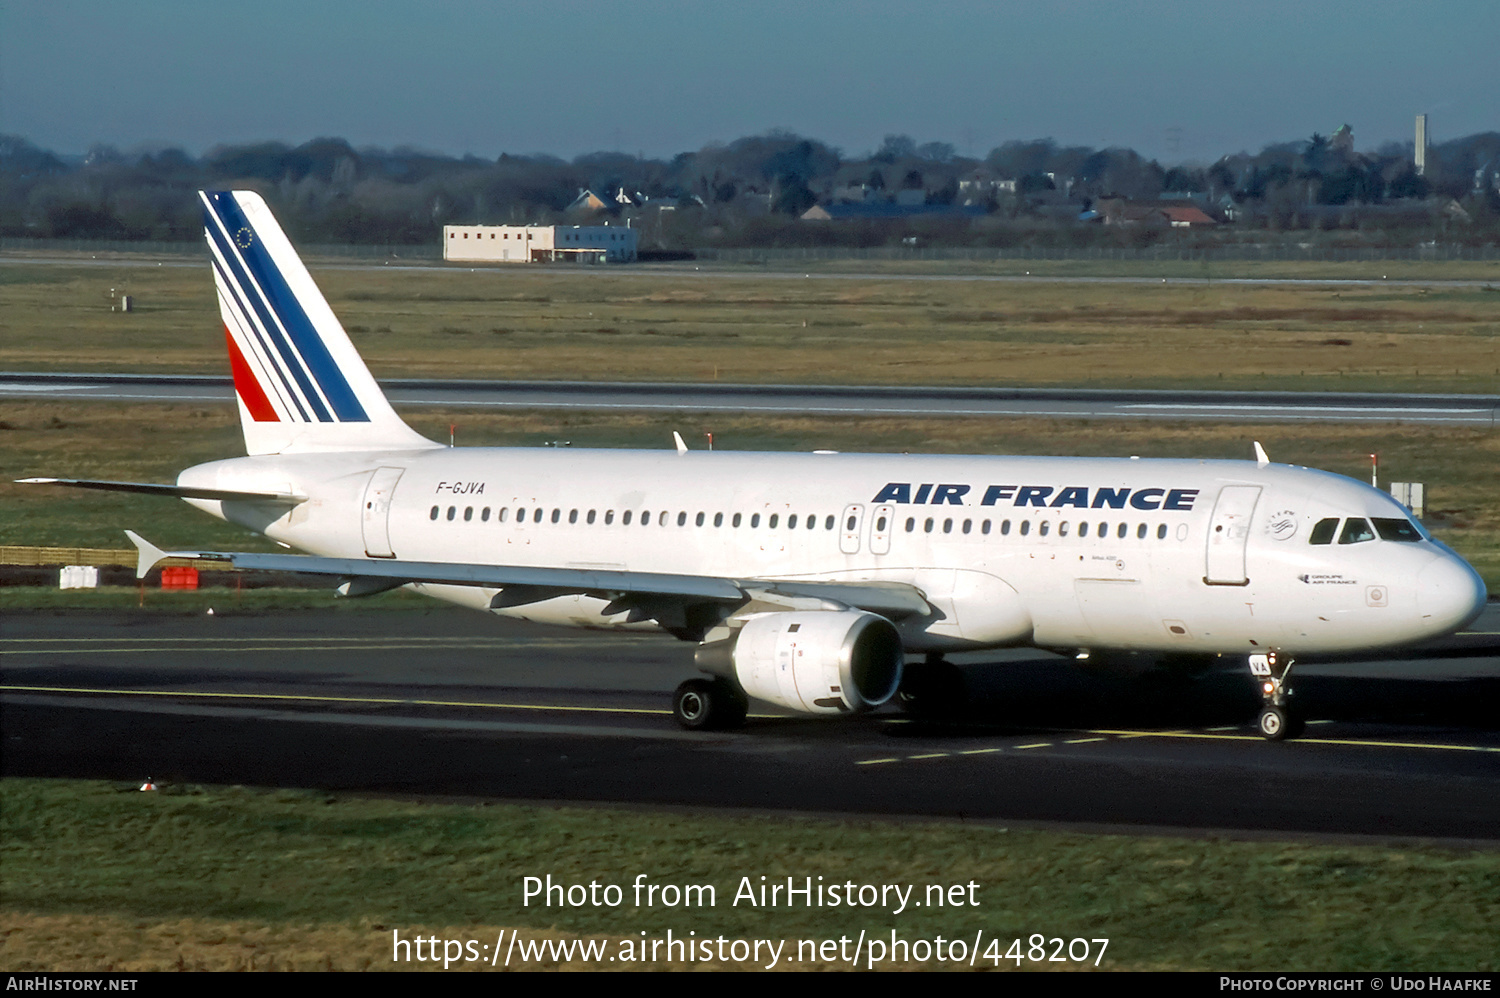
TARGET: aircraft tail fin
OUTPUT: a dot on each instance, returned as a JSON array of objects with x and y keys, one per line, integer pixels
[{"x": 300, "y": 383}]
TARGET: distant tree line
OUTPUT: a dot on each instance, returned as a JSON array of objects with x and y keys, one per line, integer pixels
[{"x": 753, "y": 191}]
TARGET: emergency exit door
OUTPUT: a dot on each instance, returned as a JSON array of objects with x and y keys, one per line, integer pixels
[{"x": 854, "y": 515}]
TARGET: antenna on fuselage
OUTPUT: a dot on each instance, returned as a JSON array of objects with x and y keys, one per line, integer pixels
[
  {"x": 1260, "y": 456},
  {"x": 681, "y": 444}
]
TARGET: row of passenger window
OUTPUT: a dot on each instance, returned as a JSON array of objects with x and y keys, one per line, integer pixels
[
  {"x": 810, "y": 522},
  {"x": 1358, "y": 529},
  {"x": 663, "y": 518},
  {"x": 1043, "y": 528}
]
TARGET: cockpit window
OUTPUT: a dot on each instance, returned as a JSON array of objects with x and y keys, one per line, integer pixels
[
  {"x": 1356, "y": 530},
  {"x": 1323, "y": 531},
  {"x": 1392, "y": 528}
]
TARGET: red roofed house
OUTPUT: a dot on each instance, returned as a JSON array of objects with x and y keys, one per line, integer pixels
[{"x": 1176, "y": 214}]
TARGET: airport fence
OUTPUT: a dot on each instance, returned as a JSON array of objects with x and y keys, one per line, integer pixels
[
  {"x": 21, "y": 556},
  {"x": 16, "y": 555}
]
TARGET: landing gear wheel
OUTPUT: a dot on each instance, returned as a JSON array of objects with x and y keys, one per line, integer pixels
[
  {"x": 932, "y": 689},
  {"x": 1273, "y": 724},
  {"x": 1277, "y": 724},
  {"x": 709, "y": 705}
]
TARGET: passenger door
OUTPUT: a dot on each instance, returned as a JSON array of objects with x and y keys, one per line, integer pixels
[
  {"x": 376, "y": 513},
  {"x": 1228, "y": 534}
]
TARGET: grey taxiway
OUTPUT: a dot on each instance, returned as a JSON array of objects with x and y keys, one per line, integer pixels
[{"x": 447, "y": 702}]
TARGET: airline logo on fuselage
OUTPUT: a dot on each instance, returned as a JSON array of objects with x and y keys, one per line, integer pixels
[{"x": 1075, "y": 496}]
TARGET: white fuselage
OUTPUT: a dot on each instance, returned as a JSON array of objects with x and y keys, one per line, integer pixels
[{"x": 1161, "y": 555}]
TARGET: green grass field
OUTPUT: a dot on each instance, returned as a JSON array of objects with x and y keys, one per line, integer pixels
[
  {"x": 734, "y": 325},
  {"x": 91, "y": 869}
]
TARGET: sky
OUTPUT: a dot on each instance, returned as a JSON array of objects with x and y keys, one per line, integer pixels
[{"x": 1175, "y": 80}]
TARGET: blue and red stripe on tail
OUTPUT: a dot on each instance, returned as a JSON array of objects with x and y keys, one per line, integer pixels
[{"x": 301, "y": 384}]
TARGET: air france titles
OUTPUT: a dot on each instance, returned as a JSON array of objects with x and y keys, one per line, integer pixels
[{"x": 1076, "y": 496}]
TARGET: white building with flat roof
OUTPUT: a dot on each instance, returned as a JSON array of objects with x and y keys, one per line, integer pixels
[{"x": 539, "y": 243}]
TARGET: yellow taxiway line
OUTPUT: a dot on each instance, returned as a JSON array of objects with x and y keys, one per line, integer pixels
[
  {"x": 1094, "y": 735},
  {"x": 308, "y": 698},
  {"x": 313, "y": 645},
  {"x": 1312, "y": 741},
  {"x": 303, "y": 640},
  {"x": 1106, "y": 734}
]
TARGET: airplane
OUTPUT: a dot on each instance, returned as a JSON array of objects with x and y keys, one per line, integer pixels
[{"x": 805, "y": 579}]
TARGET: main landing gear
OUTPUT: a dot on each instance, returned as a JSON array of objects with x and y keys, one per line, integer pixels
[
  {"x": 709, "y": 705},
  {"x": 933, "y": 689},
  {"x": 1276, "y": 721}
]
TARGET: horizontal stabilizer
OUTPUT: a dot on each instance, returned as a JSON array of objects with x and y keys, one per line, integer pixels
[
  {"x": 148, "y": 555},
  {"x": 179, "y": 491}
]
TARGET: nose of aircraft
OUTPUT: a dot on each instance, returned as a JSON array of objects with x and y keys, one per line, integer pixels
[{"x": 1450, "y": 594}]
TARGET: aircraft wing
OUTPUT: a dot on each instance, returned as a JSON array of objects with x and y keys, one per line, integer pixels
[
  {"x": 525, "y": 584},
  {"x": 180, "y": 491}
]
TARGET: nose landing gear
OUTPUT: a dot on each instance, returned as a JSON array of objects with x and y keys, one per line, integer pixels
[{"x": 1276, "y": 722}]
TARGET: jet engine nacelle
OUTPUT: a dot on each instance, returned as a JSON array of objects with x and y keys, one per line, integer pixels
[{"x": 818, "y": 661}]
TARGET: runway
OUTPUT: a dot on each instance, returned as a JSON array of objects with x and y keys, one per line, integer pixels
[
  {"x": 446, "y": 703},
  {"x": 828, "y": 400}
]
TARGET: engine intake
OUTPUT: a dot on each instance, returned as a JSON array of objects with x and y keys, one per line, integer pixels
[{"x": 817, "y": 661}]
